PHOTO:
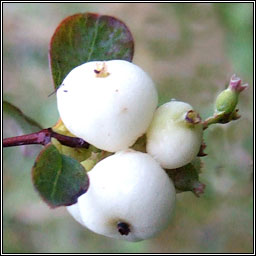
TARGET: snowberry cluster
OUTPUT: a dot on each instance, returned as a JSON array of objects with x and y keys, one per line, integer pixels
[{"x": 110, "y": 105}]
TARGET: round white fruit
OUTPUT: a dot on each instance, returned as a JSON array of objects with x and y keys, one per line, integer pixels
[
  {"x": 130, "y": 197},
  {"x": 108, "y": 104},
  {"x": 172, "y": 140},
  {"x": 75, "y": 212}
]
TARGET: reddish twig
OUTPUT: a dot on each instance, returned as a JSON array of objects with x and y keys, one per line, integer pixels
[{"x": 43, "y": 137}]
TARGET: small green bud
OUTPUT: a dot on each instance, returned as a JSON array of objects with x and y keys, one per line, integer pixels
[{"x": 227, "y": 100}]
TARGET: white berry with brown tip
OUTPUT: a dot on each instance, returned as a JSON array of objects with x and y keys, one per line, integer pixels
[
  {"x": 108, "y": 104},
  {"x": 175, "y": 135},
  {"x": 130, "y": 197}
]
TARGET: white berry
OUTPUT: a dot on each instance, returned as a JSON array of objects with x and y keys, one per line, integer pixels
[
  {"x": 108, "y": 104},
  {"x": 130, "y": 197},
  {"x": 75, "y": 212},
  {"x": 171, "y": 139}
]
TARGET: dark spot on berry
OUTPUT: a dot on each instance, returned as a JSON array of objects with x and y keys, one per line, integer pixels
[
  {"x": 96, "y": 71},
  {"x": 65, "y": 90},
  {"x": 123, "y": 228}
]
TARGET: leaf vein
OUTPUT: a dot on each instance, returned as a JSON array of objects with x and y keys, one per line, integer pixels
[
  {"x": 94, "y": 39},
  {"x": 55, "y": 182}
]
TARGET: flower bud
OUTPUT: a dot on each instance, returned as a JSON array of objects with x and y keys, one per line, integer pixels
[{"x": 227, "y": 100}]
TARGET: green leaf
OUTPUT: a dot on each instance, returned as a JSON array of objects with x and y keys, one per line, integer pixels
[
  {"x": 186, "y": 178},
  {"x": 87, "y": 37},
  {"x": 59, "y": 179},
  {"x": 25, "y": 123}
]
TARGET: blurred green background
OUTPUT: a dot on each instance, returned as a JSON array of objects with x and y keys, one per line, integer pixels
[{"x": 190, "y": 50}]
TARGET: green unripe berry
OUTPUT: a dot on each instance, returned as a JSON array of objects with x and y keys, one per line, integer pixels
[{"x": 175, "y": 134}]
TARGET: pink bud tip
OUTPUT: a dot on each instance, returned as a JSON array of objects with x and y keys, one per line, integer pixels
[{"x": 235, "y": 84}]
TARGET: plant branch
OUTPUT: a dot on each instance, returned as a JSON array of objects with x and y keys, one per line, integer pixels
[
  {"x": 221, "y": 118},
  {"x": 43, "y": 137}
]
